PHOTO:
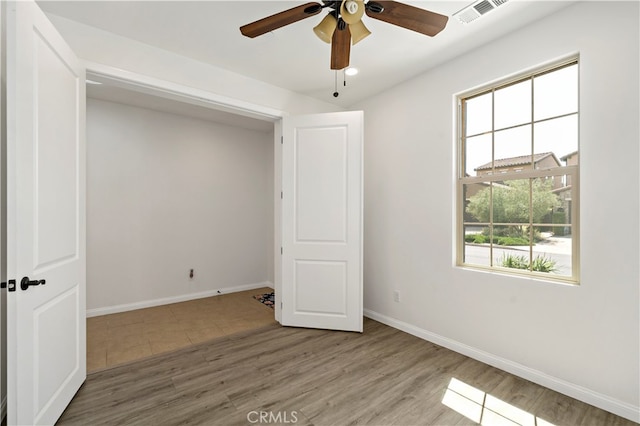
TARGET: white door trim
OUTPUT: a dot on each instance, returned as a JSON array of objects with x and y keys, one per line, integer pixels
[{"x": 166, "y": 89}]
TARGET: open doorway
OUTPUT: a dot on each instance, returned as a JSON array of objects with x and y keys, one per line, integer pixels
[{"x": 180, "y": 208}]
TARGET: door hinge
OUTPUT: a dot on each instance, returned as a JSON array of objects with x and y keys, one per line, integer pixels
[
  {"x": 281, "y": 251},
  {"x": 11, "y": 286},
  {"x": 281, "y": 195},
  {"x": 281, "y": 305},
  {"x": 3, "y": 285},
  {"x": 281, "y": 140}
]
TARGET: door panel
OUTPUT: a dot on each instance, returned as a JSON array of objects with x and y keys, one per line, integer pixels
[
  {"x": 322, "y": 221},
  {"x": 52, "y": 362},
  {"x": 317, "y": 150},
  {"x": 331, "y": 277},
  {"x": 55, "y": 161},
  {"x": 46, "y": 340}
]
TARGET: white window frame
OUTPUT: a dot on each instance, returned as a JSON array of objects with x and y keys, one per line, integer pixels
[{"x": 461, "y": 179}]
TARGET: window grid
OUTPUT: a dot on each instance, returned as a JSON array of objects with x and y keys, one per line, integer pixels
[{"x": 493, "y": 177}]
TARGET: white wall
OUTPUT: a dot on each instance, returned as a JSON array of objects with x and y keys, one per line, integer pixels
[
  {"x": 106, "y": 48},
  {"x": 582, "y": 340},
  {"x": 167, "y": 193}
]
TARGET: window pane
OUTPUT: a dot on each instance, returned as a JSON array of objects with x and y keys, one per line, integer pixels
[
  {"x": 549, "y": 201},
  {"x": 477, "y": 154},
  {"x": 476, "y": 201},
  {"x": 511, "y": 247},
  {"x": 565, "y": 207},
  {"x": 553, "y": 254},
  {"x": 513, "y": 149},
  {"x": 477, "y": 250},
  {"x": 559, "y": 136},
  {"x": 513, "y": 105},
  {"x": 510, "y": 201},
  {"x": 478, "y": 114},
  {"x": 556, "y": 93}
]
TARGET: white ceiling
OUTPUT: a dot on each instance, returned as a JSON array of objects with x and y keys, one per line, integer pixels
[{"x": 292, "y": 57}]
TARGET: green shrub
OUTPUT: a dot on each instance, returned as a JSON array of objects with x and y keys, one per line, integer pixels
[
  {"x": 543, "y": 264},
  {"x": 480, "y": 239},
  {"x": 558, "y": 217},
  {"x": 539, "y": 264},
  {"x": 475, "y": 238},
  {"x": 501, "y": 241},
  {"x": 512, "y": 241},
  {"x": 513, "y": 261}
]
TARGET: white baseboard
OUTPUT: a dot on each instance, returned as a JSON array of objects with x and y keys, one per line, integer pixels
[
  {"x": 174, "y": 299},
  {"x": 580, "y": 393}
]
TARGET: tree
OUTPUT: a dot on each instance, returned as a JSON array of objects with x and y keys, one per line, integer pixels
[{"x": 511, "y": 202}]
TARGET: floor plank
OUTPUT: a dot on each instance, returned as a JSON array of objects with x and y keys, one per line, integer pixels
[{"x": 317, "y": 377}]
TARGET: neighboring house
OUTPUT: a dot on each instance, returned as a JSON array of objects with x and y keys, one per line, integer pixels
[
  {"x": 545, "y": 160},
  {"x": 570, "y": 159}
]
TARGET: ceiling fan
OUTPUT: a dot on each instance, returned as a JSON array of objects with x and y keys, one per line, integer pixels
[{"x": 343, "y": 25}]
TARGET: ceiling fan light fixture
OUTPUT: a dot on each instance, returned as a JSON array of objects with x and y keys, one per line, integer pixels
[
  {"x": 351, "y": 71},
  {"x": 358, "y": 32},
  {"x": 324, "y": 30},
  {"x": 352, "y": 10}
]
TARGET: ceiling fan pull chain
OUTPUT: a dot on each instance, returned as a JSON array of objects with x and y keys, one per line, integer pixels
[{"x": 335, "y": 85}]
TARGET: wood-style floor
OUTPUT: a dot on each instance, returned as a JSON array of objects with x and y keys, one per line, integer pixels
[
  {"x": 128, "y": 336},
  {"x": 281, "y": 375}
]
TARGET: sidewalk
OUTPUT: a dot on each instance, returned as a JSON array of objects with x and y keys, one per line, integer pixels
[{"x": 556, "y": 245}]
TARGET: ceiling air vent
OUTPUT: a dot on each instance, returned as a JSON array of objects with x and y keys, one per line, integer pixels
[{"x": 477, "y": 9}]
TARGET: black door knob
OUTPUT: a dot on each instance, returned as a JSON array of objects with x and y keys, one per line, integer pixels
[{"x": 25, "y": 283}]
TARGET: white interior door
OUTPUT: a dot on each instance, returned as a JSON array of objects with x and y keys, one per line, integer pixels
[
  {"x": 46, "y": 341},
  {"x": 322, "y": 221}
]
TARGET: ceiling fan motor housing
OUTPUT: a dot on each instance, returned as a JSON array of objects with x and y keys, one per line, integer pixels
[{"x": 351, "y": 6}]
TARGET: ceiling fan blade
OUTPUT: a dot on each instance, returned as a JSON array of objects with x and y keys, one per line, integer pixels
[
  {"x": 340, "y": 47},
  {"x": 406, "y": 16},
  {"x": 281, "y": 19}
]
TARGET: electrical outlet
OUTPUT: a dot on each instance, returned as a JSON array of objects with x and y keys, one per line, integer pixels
[{"x": 396, "y": 296}]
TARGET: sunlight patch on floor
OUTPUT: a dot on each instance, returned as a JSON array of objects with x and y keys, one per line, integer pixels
[{"x": 486, "y": 409}]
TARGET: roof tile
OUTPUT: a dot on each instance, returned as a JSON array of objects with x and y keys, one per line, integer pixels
[{"x": 514, "y": 161}]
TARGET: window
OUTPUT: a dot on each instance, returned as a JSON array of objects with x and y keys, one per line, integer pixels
[{"x": 518, "y": 175}]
